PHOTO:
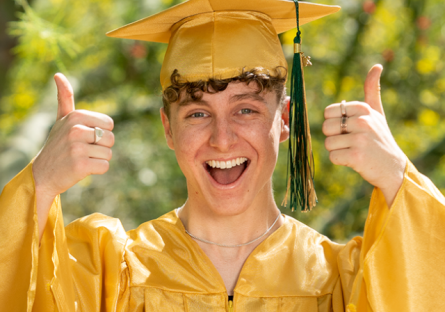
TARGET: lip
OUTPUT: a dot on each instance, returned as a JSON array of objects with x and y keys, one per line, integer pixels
[{"x": 226, "y": 186}]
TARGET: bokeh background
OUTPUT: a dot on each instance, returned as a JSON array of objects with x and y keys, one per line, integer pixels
[{"x": 121, "y": 78}]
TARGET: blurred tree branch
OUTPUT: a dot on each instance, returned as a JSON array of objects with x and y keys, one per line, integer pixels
[{"x": 352, "y": 48}]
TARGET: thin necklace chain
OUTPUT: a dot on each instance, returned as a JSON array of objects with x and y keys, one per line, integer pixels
[{"x": 233, "y": 246}]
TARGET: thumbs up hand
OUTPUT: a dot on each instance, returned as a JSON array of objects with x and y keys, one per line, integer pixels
[
  {"x": 368, "y": 146},
  {"x": 70, "y": 154}
]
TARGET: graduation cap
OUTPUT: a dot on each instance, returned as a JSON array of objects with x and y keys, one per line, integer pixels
[{"x": 218, "y": 39}]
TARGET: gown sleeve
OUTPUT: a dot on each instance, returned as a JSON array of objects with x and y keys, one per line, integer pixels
[
  {"x": 80, "y": 268},
  {"x": 398, "y": 266}
]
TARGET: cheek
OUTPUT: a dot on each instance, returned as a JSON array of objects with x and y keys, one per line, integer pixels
[
  {"x": 187, "y": 141},
  {"x": 183, "y": 140},
  {"x": 265, "y": 137},
  {"x": 274, "y": 139},
  {"x": 275, "y": 132}
]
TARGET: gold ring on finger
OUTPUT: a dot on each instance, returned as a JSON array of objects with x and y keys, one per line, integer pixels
[
  {"x": 343, "y": 108},
  {"x": 344, "y": 125},
  {"x": 98, "y": 134}
]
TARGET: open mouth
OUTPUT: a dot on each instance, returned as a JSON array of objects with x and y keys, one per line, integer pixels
[{"x": 227, "y": 172}]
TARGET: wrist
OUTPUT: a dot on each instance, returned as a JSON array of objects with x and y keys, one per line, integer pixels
[
  {"x": 41, "y": 188},
  {"x": 44, "y": 194},
  {"x": 394, "y": 181}
]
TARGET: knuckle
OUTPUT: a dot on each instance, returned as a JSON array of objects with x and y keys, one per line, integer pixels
[
  {"x": 71, "y": 116},
  {"x": 109, "y": 154},
  {"x": 75, "y": 116},
  {"x": 324, "y": 127},
  {"x": 365, "y": 108},
  {"x": 112, "y": 139},
  {"x": 106, "y": 121},
  {"x": 111, "y": 123},
  {"x": 363, "y": 122},
  {"x": 66, "y": 94},
  {"x": 357, "y": 156},
  {"x": 327, "y": 144},
  {"x": 106, "y": 166},
  {"x": 333, "y": 158},
  {"x": 80, "y": 166},
  {"x": 327, "y": 110},
  {"x": 75, "y": 132},
  {"x": 103, "y": 168},
  {"x": 360, "y": 139},
  {"x": 77, "y": 149}
]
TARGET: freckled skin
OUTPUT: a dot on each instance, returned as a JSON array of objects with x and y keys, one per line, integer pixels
[{"x": 224, "y": 130}]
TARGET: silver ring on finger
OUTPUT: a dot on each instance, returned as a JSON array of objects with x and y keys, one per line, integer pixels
[
  {"x": 344, "y": 125},
  {"x": 98, "y": 134},
  {"x": 343, "y": 108}
]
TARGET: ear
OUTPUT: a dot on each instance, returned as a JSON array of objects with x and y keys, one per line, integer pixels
[
  {"x": 285, "y": 120},
  {"x": 167, "y": 128}
]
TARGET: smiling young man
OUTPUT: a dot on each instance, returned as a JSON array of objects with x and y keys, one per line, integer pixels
[
  {"x": 227, "y": 248},
  {"x": 226, "y": 144}
]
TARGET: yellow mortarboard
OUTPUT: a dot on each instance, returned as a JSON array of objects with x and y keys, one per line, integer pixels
[{"x": 218, "y": 39}]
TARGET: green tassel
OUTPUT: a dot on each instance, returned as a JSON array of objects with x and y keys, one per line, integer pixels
[{"x": 300, "y": 158}]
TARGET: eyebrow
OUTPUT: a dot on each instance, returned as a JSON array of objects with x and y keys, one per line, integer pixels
[
  {"x": 247, "y": 96},
  {"x": 187, "y": 101},
  {"x": 234, "y": 98}
]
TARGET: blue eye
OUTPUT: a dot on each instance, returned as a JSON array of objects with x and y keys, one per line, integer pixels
[
  {"x": 197, "y": 115},
  {"x": 246, "y": 111}
]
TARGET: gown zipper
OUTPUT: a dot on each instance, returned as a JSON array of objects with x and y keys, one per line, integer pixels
[{"x": 230, "y": 306}]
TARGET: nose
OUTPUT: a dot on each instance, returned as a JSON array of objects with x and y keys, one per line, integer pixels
[{"x": 223, "y": 137}]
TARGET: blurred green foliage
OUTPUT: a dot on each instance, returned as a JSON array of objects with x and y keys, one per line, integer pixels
[{"x": 121, "y": 78}]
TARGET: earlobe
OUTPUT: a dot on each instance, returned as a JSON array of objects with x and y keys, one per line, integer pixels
[{"x": 167, "y": 128}]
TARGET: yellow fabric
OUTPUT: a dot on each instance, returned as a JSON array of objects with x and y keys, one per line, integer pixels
[
  {"x": 227, "y": 43},
  {"x": 94, "y": 265},
  {"x": 217, "y": 39}
]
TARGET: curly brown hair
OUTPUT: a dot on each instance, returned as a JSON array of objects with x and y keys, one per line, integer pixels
[{"x": 265, "y": 81}]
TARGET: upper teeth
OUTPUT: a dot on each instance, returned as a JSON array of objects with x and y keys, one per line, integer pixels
[{"x": 226, "y": 164}]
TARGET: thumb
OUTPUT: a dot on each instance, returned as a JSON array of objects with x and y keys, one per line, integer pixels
[
  {"x": 65, "y": 96},
  {"x": 372, "y": 88}
]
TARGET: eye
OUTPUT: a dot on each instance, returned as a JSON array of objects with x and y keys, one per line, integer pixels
[
  {"x": 198, "y": 115},
  {"x": 246, "y": 111}
]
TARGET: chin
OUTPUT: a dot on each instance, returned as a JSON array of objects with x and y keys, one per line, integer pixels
[{"x": 226, "y": 207}]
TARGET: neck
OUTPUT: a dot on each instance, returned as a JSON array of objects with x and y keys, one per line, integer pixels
[{"x": 238, "y": 227}]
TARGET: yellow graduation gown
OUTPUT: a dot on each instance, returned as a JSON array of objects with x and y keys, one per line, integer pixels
[{"x": 94, "y": 265}]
